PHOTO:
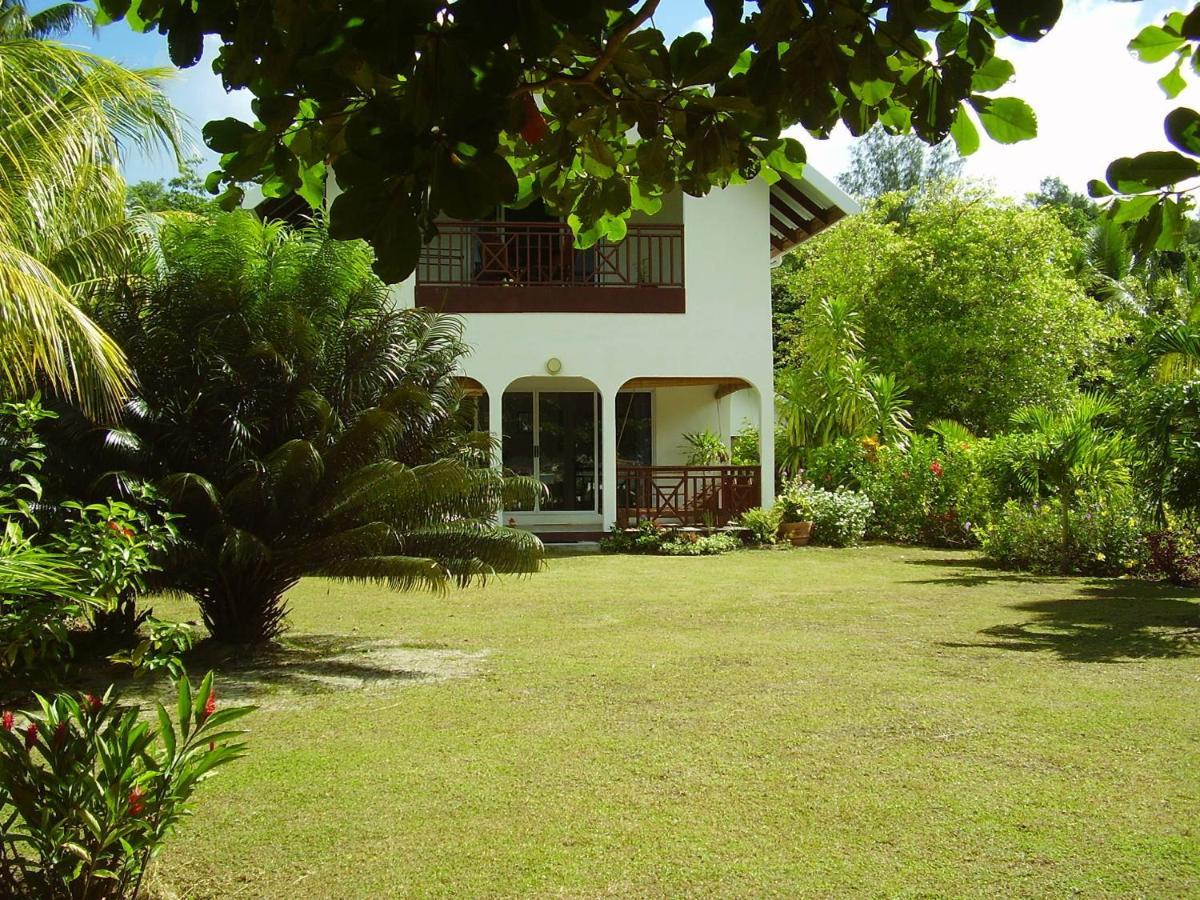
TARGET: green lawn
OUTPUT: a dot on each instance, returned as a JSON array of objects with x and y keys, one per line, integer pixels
[{"x": 882, "y": 721}]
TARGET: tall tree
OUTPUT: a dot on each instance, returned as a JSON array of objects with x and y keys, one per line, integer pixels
[
  {"x": 301, "y": 424},
  {"x": 67, "y": 121},
  {"x": 972, "y": 302},
  {"x": 435, "y": 108},
  {"x": 883, "y": 163}
]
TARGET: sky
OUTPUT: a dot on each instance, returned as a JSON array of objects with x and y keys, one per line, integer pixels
[{"x": 1094, "y": 101}]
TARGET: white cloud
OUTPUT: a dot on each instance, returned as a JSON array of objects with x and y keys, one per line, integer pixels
[
  {"x": 704, "y": 25},
  {"x": 1094, "y": 102}
]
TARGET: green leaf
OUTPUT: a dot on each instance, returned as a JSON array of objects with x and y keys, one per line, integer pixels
[
  {"x": 1007, "y": 120},
  {"x": 992, "y": 75},
  {"x": 1154, "y": 44},
  {"x": 964, "y": 132},
  {"x": 1027, "y": 20},
  {"x": 788, "y": 158},
  {"x": 1174, "y": 226},
  {"x": 1098, "y": 189},
  {"x": 1182, "y": 126},
  {"x": 1173, "y": 82},
  {"x": 226, "y": 135},
  {"x": 1133, "y": 209},
  {"x": 1150, "y": 171},
  {"x": 183, "y": 706}
]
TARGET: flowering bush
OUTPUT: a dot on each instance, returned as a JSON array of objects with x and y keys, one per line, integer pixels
[
  {"x": 839, "y": 517},
  {"x": 90, "y": 792},
  {"x": 1107, "y": 537},
  {"x": 67, "y": 563},
  {"x": 700, "y": 545}
]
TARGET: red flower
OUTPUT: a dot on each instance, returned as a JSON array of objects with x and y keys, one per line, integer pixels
[
  {"x": 113, "y": 526},
  {"x": 94, "y": 703},
  {"x": 534, "y": 127},
  {"x": 127, "y": 532},
  {"x": 135, "y": 802},
  {"x": 60, "y": 734},
  {"x": 210, "y": 706},
  {"x": 31, "y": 734},
  {"x": 936, "y": 468},
  {"x": 7, "y": 721}
]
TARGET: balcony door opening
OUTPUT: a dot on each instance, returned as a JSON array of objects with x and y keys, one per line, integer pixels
[{"x": 554, "y": 437}]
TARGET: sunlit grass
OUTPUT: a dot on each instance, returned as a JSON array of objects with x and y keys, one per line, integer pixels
[{"x": 873, "y": 722}]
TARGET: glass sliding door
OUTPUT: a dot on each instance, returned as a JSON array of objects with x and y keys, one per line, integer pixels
[
  {"x": 520, "y": 441},
  {"x": 552, "y": 436}
]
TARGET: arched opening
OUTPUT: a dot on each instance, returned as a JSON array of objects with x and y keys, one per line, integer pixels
[
  {"x": 550, "y": 430},
  {"x": 709, "y": 442}
]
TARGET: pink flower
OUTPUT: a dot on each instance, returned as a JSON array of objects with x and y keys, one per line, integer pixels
[
  {"x": 7, "y": 721},
  {"x": 210, "y": 706},
  {"x": 94, "y": 703},
  {"x": 31, "y": 734},
  {"x": 135, "y": 802}
]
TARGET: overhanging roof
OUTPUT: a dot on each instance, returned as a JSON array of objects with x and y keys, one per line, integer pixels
[{"x": 801, "y": 207}]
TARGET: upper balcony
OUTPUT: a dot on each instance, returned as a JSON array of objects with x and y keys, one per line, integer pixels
[{"x": 526, "y": 267}]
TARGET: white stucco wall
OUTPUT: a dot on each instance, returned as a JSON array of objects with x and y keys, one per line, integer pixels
[{"x": 725, "y": 332}]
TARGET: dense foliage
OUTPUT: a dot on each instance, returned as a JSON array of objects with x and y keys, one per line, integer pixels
[
  {"x": 839, "y": 517},
  {"x": 452, "y": 108},
  {"x": 300, "y": 424},
  {"x": 67, "y": 120},
  {"x": 971, "y": 303},
  {"x": 652, "y": 539},
  {"x": 90, "y": 791}
]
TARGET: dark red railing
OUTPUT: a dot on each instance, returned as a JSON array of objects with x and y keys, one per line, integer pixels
[
  {"x": 686, "y": 495},
  {"x": 531, "y": 254}
]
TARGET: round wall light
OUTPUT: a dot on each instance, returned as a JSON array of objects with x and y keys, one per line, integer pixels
[{"x": 554, "y": 365}]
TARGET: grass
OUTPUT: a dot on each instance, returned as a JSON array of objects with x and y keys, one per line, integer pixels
[{"x": 880, "y": 721}]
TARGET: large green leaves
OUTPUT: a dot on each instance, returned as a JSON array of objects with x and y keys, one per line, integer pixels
[
  {"x": 1027, "y": 20},
  {"x": 412, "y": 107}
]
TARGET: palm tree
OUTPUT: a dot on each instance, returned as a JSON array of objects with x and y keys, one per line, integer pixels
[
  {"x": 834, "y": 393},
  {"x": 1070, "y": 451},
  {"x": 16, "y": 21},
  {"x": 67, "y": 120},
  {"x": 301, "y": 424}
]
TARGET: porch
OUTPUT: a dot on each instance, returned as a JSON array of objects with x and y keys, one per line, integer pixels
[
  {"x": 697, "y": 496},
  {"x": 619, "y": 457}
]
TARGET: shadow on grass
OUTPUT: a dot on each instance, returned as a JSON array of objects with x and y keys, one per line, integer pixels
[
  {"x": 975, "y": 572},
  {"x": 1106, "y": 621},
  {"x": 313, "y": 664}
]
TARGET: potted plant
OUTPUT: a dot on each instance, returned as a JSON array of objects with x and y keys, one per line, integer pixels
[{"x": 797, "y": 520}]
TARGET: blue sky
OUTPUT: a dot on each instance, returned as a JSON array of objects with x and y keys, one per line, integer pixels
[{"x": 1093, "y": 100}]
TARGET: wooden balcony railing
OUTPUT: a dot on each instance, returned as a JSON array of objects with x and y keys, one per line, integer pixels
[
  {"x": 686, "y": 495},
  {"x": 535, "y": 267}
]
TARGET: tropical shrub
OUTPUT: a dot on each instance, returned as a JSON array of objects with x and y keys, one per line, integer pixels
[
  {"x": 744, "y": 449},
  {"x": 832, "y": 392},
  {"x": 90, "y": 791},
  {"x": 301, "y": 424},
  {"x": 1108, "y": 537},
  {"x": 1175, "y": 556},
  {"x": 1069, "y": 452},
  {"x": 839, "y": 517},
  {"x": 763, "y": 524},
  {"x": 701, "y": 545},
  {"x": 653, "y": 540},
  {"x": 66, "y": 563},
  {"x": 704, "y": 448}
]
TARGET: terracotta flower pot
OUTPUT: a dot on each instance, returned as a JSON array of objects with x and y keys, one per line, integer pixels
[{"x": 796, "y": 533}]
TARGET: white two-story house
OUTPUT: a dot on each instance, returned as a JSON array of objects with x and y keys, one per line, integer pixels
[{"x": 591, "y": 365}]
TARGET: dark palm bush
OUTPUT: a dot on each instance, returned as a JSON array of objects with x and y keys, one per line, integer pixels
[{"x": 301, "y": 424}]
